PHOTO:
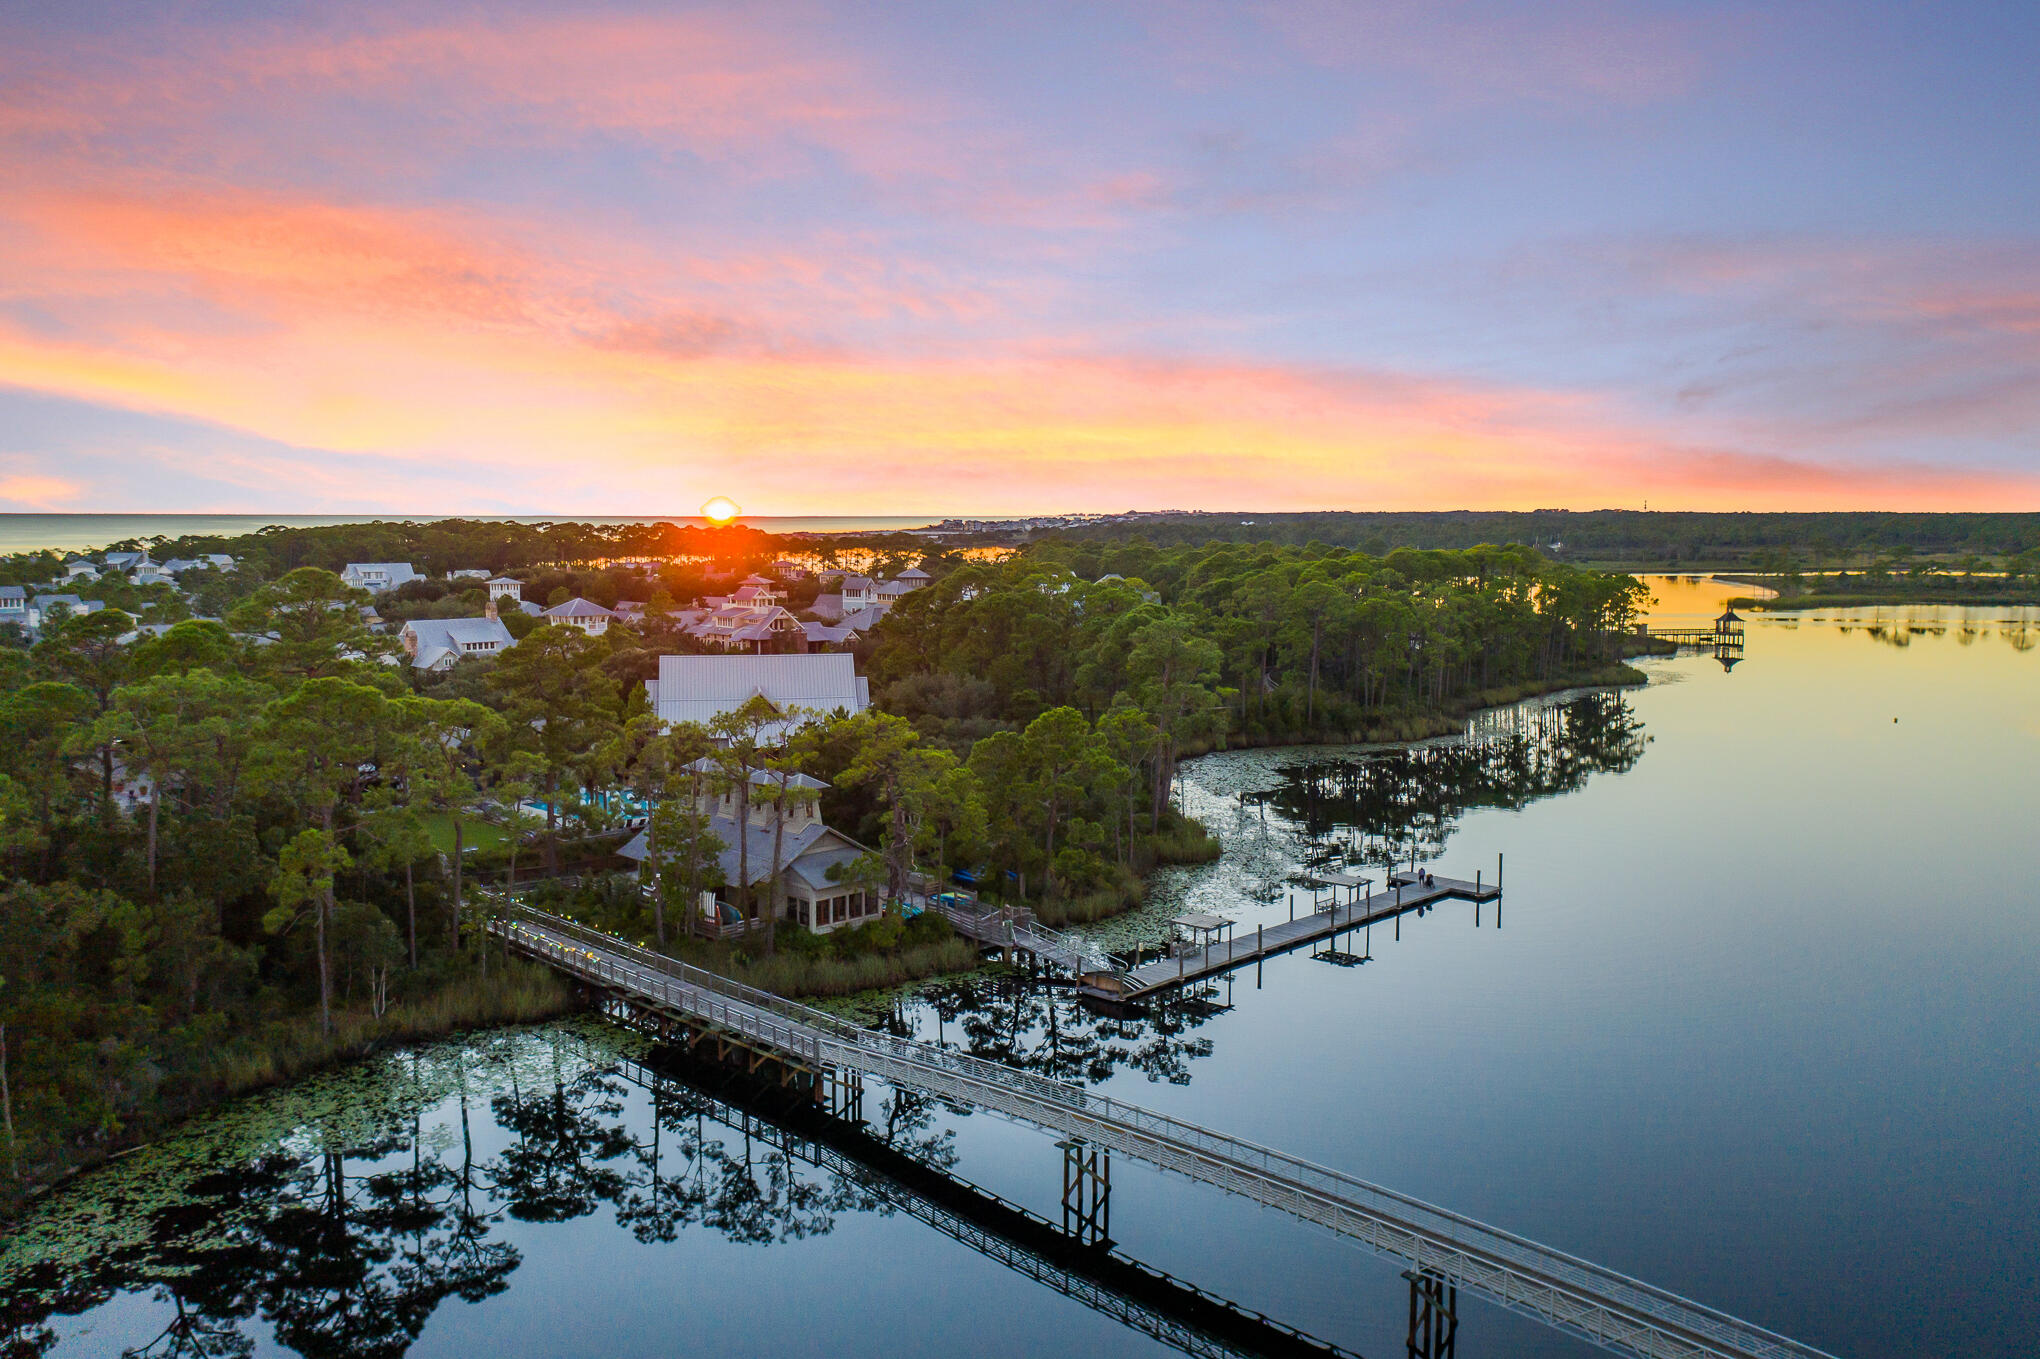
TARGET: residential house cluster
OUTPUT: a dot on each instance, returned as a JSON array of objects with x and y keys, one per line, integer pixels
[{"x": 33, "y": 606}]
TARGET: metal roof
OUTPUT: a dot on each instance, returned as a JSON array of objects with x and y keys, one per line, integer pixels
[
  {"x": 702, "y": 688},
  {"x": 578, "y": 607}
]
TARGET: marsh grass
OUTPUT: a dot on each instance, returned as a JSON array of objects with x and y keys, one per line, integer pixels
[
  {"x": 518, "y": 993},
  {"x": 793, "y": 974},
  {"x": 197, "y": 1077}
]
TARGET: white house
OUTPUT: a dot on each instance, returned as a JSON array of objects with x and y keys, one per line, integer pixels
[
  {"x": 902, "y": 585},
  {"x": 861, "y": 592},
  {"x": 441, "y": 643},
  {"x": 468, "y": 573},
  {"x": 702, "y": 688},
  {"x": 584, "y": 614},
  {"x": 13, "y": 604},
  {"x": 858, "y": 592},
  {"x": 123, "y": 561},
  {"x": 506, "y": 587},
  {"x": 78, "y": 569},
  {"x": 378, "y": 576},
  {"x": 808, "y": 850}
]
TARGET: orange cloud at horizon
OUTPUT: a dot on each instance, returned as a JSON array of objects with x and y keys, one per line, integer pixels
[{"x": 571, "y": 359}]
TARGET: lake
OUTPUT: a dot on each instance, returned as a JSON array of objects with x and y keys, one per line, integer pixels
[{"x": 1757, "y": 1023}]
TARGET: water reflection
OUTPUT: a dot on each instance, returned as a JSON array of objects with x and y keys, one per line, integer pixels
[
  {"x": 2018, "y": 631},
  {"x": 343, "y": 1235},
  {"x": 1380, "y": 807},
  {"x": 1049, "y": 1031}
]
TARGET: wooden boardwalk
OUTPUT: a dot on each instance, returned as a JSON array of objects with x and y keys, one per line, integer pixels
[
  {"x": 1586, "y": 1300},
  {"x": 1402, "y": 894}
]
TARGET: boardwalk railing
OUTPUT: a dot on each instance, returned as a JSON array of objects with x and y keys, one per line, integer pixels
[
  {"x": 1597, "y": 1304},
  {"x": 1011, "y": 928}
]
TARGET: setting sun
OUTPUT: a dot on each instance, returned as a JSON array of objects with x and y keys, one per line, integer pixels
[{"x": 721, "y": 510}]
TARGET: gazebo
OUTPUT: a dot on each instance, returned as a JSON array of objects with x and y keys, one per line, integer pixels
[
  {"x": 1728, "y": 629},
  {"x": 1196, "y": 931}
]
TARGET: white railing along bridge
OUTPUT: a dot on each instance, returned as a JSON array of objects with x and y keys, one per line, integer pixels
[{"x": 1611, "y": 1310}]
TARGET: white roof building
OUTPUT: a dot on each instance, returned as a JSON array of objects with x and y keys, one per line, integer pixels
[{"x": 702, "y": 688}]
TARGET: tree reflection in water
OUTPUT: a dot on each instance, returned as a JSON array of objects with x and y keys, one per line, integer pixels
[
  {"x": 341, "y": 1237},
  {"x": 1374, "y": 807},
  {"x": 1380, "y": 807}
]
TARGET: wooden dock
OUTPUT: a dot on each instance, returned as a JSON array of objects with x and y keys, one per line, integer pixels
[{"x": 1402, "y": 895}]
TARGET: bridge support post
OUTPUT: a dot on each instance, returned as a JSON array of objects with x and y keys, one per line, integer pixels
[
  {"x": 841, "y": 1093},
  {"x": 1434, "y": 1317},
  {"x": 1087, "y": 1192}
]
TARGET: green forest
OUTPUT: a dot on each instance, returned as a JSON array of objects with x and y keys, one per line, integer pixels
[
  {"x": 1638, "y": 539},
  {"x": 233, "y": 849}
]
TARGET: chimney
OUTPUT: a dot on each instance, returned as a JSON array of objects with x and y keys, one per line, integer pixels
[{"x": 489, "y": 610}]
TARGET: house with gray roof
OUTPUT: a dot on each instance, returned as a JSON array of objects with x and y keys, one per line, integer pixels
[
  {"x": 702, "y": 688},
  {"x": 831, "y": 636},
  {"x": 378, "y": 577},
  {"x": 43, "y": 608},
  {"x": 808, "y": 852},
  {"x": 584, "y": 614},
  {"x": 442, "y": 643}
]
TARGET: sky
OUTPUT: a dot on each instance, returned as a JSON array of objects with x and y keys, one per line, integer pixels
[{"x": 957, "y": 258}]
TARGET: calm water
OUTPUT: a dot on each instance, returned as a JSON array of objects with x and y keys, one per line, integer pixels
[
  {"x": 79, "y": 532},
  {"x": 1758, "y": 1025}
]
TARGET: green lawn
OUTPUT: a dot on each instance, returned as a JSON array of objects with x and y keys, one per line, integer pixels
[{"x": 475, "y": 832}]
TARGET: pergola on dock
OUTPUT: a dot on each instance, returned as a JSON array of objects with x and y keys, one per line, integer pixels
[{"x": 1213, "y": 947}]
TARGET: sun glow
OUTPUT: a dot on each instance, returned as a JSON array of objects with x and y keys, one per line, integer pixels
[{"x": 721, "y": 510}]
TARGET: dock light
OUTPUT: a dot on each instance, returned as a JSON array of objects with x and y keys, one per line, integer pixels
[{"x": 721, "y": 510}]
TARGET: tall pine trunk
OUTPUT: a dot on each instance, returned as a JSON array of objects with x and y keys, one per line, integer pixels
[
  {"x": 322, "y": 911},
  {"x": 7, "y": 1108},
  {"x": 750, "y": 907},
  {"x": 777, "y": 896},
  {"x": 155, "y": 802},
  {"x": 456, "y": 881}
]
